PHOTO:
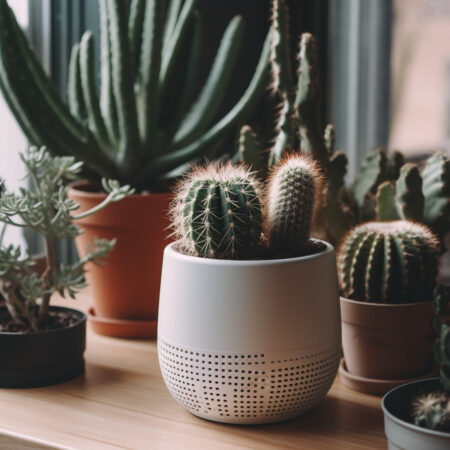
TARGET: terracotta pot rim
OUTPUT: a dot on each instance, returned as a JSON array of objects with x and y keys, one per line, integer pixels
[
  {"x": 404, "y": 423},
  {"x": 248, "y": 262},
  {"x": 82, "y": 317},
  {"x": 368, "y": 305},
  {"x": 75, "y": 187}
]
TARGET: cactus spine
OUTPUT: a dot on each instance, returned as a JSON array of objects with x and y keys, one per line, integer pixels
[
  {"x": 389, "y": 262},
  {"x": 292, "y": 194},
  {"x": 146, "y": 125},
  {"x": 433, "y": 410},
  {"x": 217, "y": 212}
]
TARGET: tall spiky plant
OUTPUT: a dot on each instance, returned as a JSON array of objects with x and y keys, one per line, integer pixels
[
  {"x": 292, "y": 194},
  {"x": 146, "y": 125}
]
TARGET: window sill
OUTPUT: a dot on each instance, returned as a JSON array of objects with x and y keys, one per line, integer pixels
[{"x": 121, "y": 401}]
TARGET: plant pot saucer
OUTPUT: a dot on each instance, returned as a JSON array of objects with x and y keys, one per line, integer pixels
[
  {"x": 131, "y": 329},
  {"x": 374, "y": 386}
]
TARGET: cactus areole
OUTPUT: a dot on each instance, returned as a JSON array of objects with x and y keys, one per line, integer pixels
[{"x": 132, "y": 130}]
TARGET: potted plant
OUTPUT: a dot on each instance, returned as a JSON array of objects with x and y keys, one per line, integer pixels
[
  {"x": 387, "y": 273},
  {"x": 249, "y": 324},
  {"x": 43, "y": 344},
  {"x": 146, "y": 127},
  {"x": 417, "y": 415}
]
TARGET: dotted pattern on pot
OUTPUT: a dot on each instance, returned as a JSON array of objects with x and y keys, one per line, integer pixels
[{"x": 247, "y": 388}]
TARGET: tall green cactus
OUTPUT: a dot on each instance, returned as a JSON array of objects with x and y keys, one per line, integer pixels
[
  {"x": 292, "y": 194},
  {"x": 389, "y": 262},
  {"x": 217, "y": 212},
  {"x": 442, "y": 326},
  {"x": 433, "y": 410},
  {"x": 145, "y": 126}
]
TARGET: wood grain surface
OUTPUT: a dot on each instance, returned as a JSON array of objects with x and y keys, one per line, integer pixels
[{"x": 121, "y": 402}]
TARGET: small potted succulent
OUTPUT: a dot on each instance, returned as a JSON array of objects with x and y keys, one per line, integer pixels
[
  {"x": 42, "y": 344},
  {"x": 417, "y": 415},
  {"x": 387, "y": 273},
  {"x": 249, "y": 323}
]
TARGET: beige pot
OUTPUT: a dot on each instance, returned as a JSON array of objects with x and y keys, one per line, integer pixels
[{"x": 385, "y": 341}]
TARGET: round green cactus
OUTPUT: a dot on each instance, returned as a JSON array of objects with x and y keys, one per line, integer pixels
[
  {"x": 389, "y": 262},
  {"x": 291, "y": 198},
  {"x": 217, "y": 212}
]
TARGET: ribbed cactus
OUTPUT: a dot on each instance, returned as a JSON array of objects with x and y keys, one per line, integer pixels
[
  {"x": 217, "y": 212},
  {"x": 389, "y": 262},
  {"x": 148, "y": 123},
  {"x": 433, "y": 410},
  {"x": 292, "y": 195},
  {"x": 442, "y": 326}
]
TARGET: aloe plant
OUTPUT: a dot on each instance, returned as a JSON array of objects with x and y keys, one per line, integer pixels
[{"x": 134, "y": 129}]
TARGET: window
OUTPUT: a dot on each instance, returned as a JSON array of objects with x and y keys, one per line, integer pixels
[
  {"x": 420, "y": 102},
  {"x": 12, "y": 139}
]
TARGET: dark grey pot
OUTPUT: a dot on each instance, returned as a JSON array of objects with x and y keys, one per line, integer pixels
[
  {"x": 402, "y": 434},
  {"x": 41, "y": 359}
]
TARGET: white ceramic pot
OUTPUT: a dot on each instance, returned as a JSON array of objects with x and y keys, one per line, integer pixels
[
  {"x": 401, "y": 433},
  {"x": 249, "y": 341}
]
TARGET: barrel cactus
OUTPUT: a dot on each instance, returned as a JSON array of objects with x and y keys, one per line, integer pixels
[
  {"x": 217, "y": 212},
  {"x": 433, "y": 410},
  {"x": 389, "y": 262},
  {"x": 292, "y": 195},
  {"x": 147, "y": 123}
]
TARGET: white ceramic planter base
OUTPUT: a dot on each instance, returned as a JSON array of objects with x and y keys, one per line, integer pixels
[
  {"x": 249, "y": 341},
  {"x": 247, "y": 388}
]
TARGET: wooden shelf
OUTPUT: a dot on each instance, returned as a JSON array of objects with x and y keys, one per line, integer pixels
[{"x": 121, "y": 402}]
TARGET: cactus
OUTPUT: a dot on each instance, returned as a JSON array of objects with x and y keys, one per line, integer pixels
[
  {"x": 145, "y": 127},
  {"x": 372, "y": 173},
  {"x": 250, "y": 151},
  {"x": 409, "y": 198},
  {"x": 442, "y": 326},
  {"x": 433, "y": 410},
  {"x": 389, "y": 262},
  {"x": 217, "y": 212},
  {"x": 436, "y": 190},
  {"x": 395, "y": 163},
  {"x": 292, "y": 194}
]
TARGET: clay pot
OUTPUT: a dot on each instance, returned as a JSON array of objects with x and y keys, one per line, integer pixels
[
  {"x": 385, "y": 342},
  {"x": 125, "y": 291},
  {"x": 47, "y": 357}
]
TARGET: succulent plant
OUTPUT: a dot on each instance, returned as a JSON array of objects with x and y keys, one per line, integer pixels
[
  {"x": 145, "y": 126},
  {"x": 442, "y": 327},
  {"x": 217, "y": 212},
  {"x": 292, "y": 194},
  {"x": 47, "y": 210},
  {"x": 389, "y": 262},
  {"x": 433, "y": 410}
]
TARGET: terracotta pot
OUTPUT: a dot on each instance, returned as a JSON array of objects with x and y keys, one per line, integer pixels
[
  {"x": 126, "y": 289},
  {"x": 47, "y": 357},
  {"x": 387, "y": 342}
]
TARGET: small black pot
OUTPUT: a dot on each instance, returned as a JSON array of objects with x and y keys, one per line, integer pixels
[
  {"x": 44, "y": 358},
  {"x": 401, "y": 433}
]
